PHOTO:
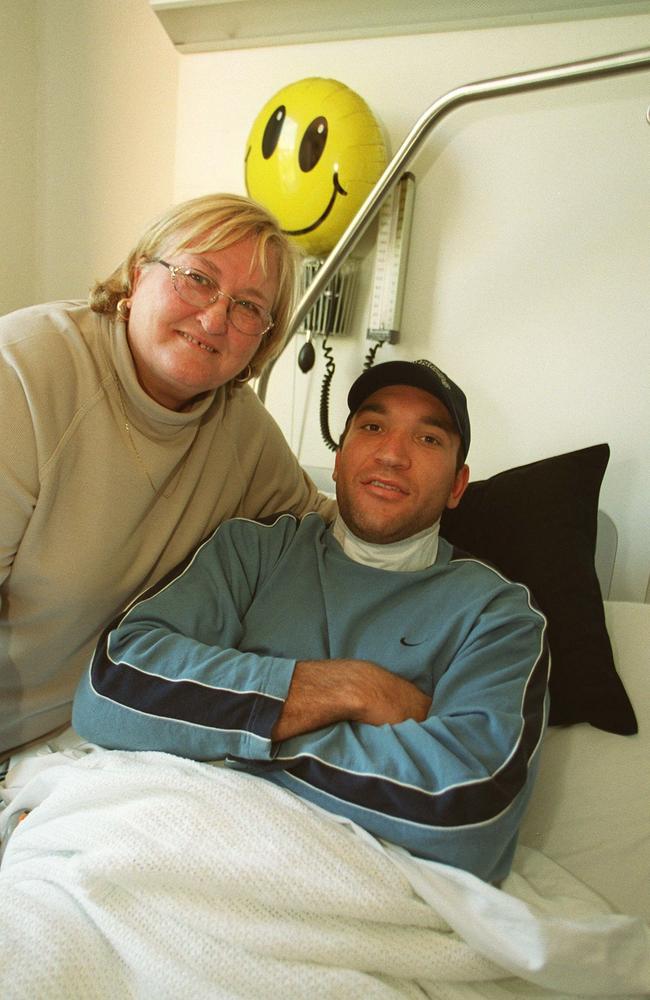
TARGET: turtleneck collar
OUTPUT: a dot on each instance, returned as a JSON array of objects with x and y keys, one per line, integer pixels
[
  {"x": 145, "y": 412},
  {"x": 408, "y": 556}
]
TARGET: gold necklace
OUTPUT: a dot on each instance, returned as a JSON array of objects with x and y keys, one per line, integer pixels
[{"x": 136, "y": 450}]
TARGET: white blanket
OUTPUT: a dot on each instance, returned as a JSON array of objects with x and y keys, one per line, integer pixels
[{"x": 143, "y": 875}]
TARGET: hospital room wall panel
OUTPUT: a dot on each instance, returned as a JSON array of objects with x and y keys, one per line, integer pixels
[
  {"x": 528, "y": 263},
  {"x": 115, "y": 101},
  {"x": 18, "y": 85},
  {"x": 88, "y": 109}
]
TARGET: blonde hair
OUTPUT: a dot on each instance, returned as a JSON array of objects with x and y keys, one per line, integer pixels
[{"x": 213, "y": 222}]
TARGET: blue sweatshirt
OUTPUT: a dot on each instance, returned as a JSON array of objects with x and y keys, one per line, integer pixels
[{"x": 200, "y": 666}]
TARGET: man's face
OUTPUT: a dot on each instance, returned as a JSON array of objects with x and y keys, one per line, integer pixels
[{"x": 396, "y": 470}]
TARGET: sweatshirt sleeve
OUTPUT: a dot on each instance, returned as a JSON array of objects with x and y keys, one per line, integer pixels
[
  {"x": 172, "y": 674},
  {"x": 19, "y": 466},
  {"x": 454, "y": 787}
]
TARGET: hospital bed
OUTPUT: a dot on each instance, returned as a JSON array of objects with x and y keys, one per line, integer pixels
[{"x": 142, "y": 874}]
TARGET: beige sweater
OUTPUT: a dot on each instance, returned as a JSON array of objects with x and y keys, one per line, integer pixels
[{"x": 81, "y": 528}]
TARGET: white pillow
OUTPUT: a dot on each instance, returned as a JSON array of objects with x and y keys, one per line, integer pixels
[{"x": 590, "y": 809}]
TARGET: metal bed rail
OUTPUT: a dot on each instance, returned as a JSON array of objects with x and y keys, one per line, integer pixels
[{"x": 622, "y": 62}]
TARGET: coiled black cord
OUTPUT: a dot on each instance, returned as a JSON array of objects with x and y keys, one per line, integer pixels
[
  {"x": 325, "y": 388},
  {"x": 370, "y": 356},
  {"x": 325, "y": 397}
]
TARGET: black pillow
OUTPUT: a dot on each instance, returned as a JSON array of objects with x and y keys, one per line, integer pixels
[{"x": 537, "y": 525}]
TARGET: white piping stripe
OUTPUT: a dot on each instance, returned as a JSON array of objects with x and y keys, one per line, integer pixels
[
  {"x": 397, "y": 819},
  {"x": 187, "y": 680},
  {"x": 139, "y": 599},
  {"x": 181, "y": 722}
]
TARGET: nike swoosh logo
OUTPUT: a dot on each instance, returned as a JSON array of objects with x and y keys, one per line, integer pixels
[{"x": 404, "y": 642}]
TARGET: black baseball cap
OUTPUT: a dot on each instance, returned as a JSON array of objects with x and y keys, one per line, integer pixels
[{"x": 422, "y": 375}]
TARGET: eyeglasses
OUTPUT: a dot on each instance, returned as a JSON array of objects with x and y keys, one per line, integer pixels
[{"x": 197, "y": 289}]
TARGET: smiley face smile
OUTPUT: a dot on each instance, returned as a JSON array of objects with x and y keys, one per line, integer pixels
[{"x": 336, "y": 189}]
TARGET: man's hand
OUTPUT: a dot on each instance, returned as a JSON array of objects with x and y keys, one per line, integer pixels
[
  {"x": 323, "y": 692},
  {"x": 383, "y": 698}
]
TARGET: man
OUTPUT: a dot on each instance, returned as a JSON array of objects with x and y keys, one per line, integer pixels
[{"x": 368, "y": 667}]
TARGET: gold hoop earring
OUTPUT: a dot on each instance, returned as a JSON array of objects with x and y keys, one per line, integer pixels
[
  {"x": 244, "y": 377},
  {"x": 123, "y": 308}
]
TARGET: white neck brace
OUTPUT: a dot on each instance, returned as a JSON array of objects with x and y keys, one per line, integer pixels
[{"x": 411, "y": 554}]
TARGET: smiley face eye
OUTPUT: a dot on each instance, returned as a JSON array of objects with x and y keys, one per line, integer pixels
[
  {"x": 272, "y": 131},
  {"x": 312, "y": 144}
]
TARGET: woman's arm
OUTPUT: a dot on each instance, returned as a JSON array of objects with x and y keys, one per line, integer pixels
[
  {"x": 276, "y": 481},
  {"x": 19, "y": 472}
]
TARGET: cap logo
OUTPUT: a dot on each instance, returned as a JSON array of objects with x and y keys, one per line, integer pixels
[{"x": 434, "y": 368}]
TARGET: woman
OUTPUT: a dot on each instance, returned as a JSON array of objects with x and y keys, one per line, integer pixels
[{"x": 129, "y": 434}]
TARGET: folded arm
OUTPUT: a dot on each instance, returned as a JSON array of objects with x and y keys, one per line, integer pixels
[
  {"x": 452, "y": 786},
  {"x": 174, "y": 674},
  {"x": 323, "y": 692}
]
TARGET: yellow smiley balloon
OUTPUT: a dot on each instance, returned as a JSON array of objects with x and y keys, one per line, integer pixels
[{"x": 313, "y": 155}]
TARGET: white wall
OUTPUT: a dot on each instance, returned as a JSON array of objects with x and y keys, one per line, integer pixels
[
  {"x": 88, "y": 104},
  {"x": 108, "y": 87},
  {"x": 528, "y": 271},
  {"x": 18, "y": 83}
]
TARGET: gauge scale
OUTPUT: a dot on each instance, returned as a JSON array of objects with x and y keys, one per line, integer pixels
[{"x": 390, "y": 262}]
